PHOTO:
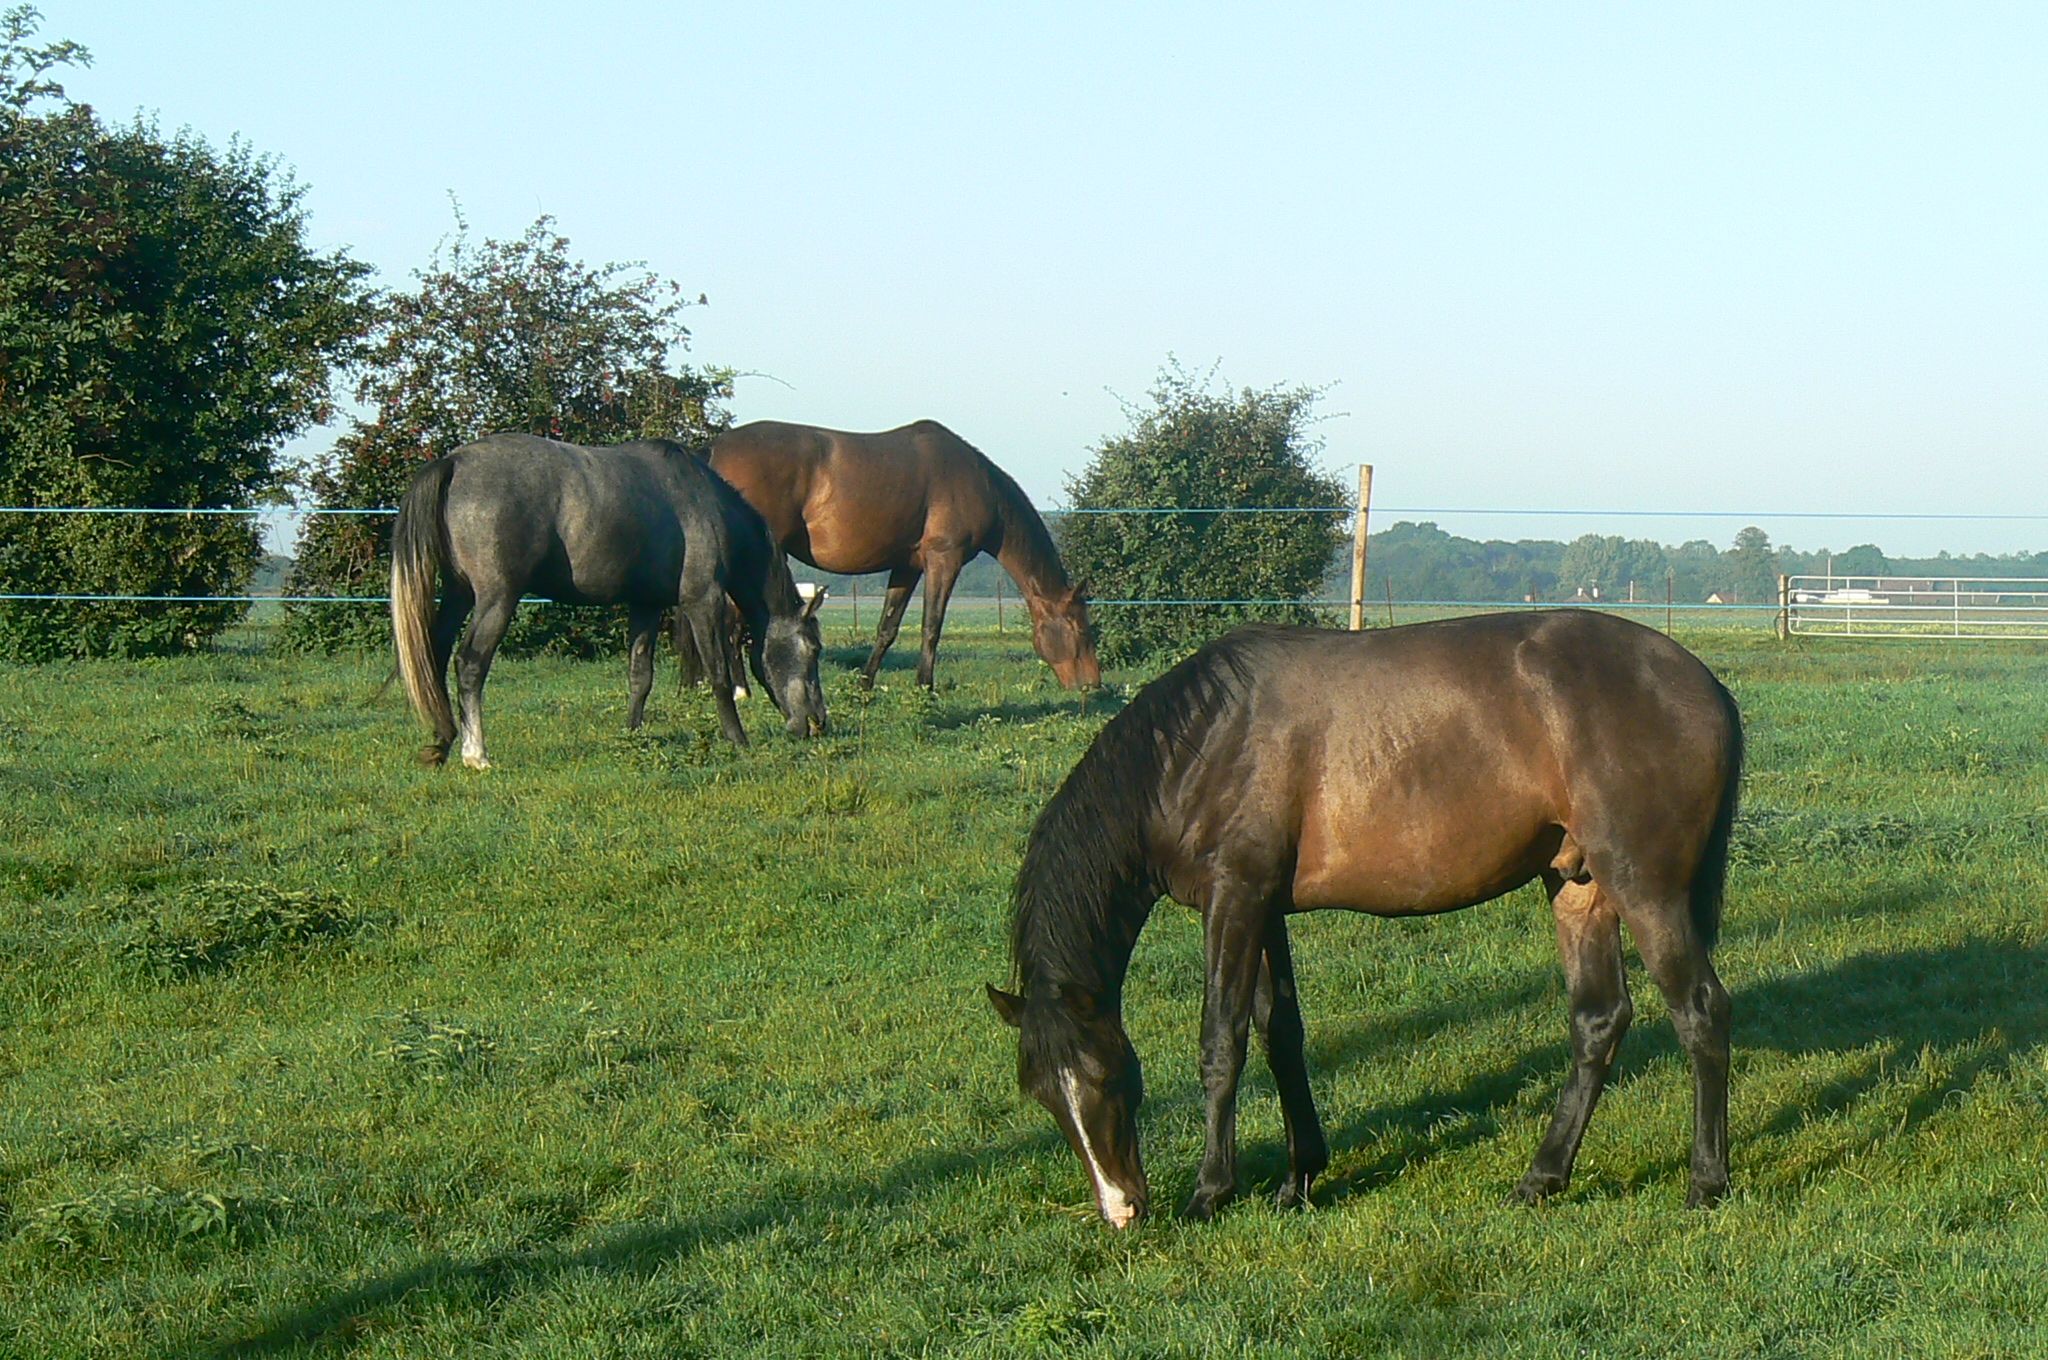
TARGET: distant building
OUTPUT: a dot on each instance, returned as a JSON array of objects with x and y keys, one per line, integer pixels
[{"x": 1726, "y": 596}]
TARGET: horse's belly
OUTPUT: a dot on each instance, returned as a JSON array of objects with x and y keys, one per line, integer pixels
[{"x": 1403, "y": 861}]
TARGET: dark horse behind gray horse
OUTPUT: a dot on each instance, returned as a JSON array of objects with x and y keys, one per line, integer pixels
[
  {"x": 647, "y": 525},
  {"x": 1398, "y": 772}
]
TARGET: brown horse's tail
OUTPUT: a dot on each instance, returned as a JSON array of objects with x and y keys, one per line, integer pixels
[
  {"x": 419, "y": 554},
  {"x": 1711, "y": 876}
]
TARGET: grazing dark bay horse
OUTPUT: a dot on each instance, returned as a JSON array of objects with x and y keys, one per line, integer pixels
[
  {"x": 915, "y": 501},
  {"x": 646, "y": 525},
  {"x": 1398, "y": 772}
]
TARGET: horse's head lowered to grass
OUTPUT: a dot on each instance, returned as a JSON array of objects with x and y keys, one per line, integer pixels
[
  {"x": 1074, "y": 1058},
  {"x": 784, "y": 655},
  {"x": 1060, "y": 633}
]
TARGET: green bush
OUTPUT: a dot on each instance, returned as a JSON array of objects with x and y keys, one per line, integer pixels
[
  {"x": 164, "y": 328},
  {"x": 1203, "y": 449},
  {"x": 509, "y": 335}
]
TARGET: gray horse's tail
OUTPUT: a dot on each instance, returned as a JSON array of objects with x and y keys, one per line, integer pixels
[{"x": 419, "y": 555}]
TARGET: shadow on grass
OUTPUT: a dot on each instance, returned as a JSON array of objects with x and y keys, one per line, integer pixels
[
  {"x": 629, "y": 1252},
  {"x": 1979, "y": 1001},
  {"x": 1099, "y": 705},
  {"x": 1947, "y": 1017}
]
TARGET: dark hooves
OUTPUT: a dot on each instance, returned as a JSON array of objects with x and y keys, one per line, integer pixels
[
  {"x": 1706, "y": 1196},
  {"x": 1535, "y": 1189},
  {"x": 1293, "y": 1194},
  {"x": 1205, "y": 1205},
  {"x": 433, "y": 754}
]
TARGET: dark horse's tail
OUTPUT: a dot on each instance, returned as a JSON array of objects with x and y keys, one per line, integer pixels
[
  {"x": 419, "y": 554},
  {"x": 1712, "y": 874}
]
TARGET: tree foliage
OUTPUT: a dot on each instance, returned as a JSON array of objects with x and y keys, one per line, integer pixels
[
  {"x": 1753, "y": 567},
  {"x": 506, "y": 335},
  {"x": 1419, "y": 561},
  {"x": 1200, "y": 447},
  {"x": 1609, "y": 566},
  {"x": 164, "y": 329}
]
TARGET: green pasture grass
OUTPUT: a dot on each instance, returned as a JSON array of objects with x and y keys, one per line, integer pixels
[{"x": 639, "y": 1045}]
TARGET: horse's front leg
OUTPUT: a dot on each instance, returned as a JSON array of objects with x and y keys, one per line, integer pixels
[
  {"x": 706, "y": 615},
  {"x": 1233, "y": 933},
  {"x": 1276, "y": 1009}
]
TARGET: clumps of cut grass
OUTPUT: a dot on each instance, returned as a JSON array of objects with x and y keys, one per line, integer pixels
[
  {"x": 237, "y": 722},
  {"x": 1776, "y": 838},
  {"x": 698, "y": 747},
  {"x": 205, "y": 927},
  {"x": 149, "y": 1216},
  {"x": 436, "y": 1050}
]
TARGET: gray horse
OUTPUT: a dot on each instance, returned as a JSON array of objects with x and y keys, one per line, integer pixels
[{"x": 644, "y": 524}]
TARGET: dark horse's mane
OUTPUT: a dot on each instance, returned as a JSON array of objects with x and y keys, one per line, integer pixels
[
  {"x": 747, "y": 531},
  {"x": 1085, "y": 886},
  {"x": 1021, "y": 518}
]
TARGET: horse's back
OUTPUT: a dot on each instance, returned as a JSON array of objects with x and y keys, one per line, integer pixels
[
  {"x": 1429, "y": 767},
  {"x": 577, "y": 523},
  {"x": 855, "y": 501}
]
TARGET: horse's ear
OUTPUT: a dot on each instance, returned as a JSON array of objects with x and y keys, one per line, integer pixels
[
  {"x": 817, "y": 598},
  {"x": 1009, "y": 1007},
  {"x": 1078, "y": 592}
]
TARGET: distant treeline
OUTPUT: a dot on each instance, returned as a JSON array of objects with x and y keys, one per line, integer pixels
[{"x": 1422, "y": 562}]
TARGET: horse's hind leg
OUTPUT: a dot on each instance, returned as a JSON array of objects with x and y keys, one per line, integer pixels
[
  {"x": 473, "y": 665},
  {"x": 643, "y": 622},
  {"x": 1678, "y": 960},
  {"x": 1589, "y": 941},
  {"x": 1276, "y": 1011},
  {"x": 453, "y": 612},
  {"x": 901, "y": 583}
]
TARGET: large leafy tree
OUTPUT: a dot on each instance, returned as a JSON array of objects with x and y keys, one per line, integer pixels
[
  {"x": 164, "y": 329},
  {"x": 1753, "y": 567},
  {"x": 1610, "y": 564},
  {"x": 1202, "y": 447},
  {"x": 506, "y": 335}
]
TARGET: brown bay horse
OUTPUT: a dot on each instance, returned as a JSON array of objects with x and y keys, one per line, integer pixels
[
  {"x": 1399, "y": 772},
  {"x": 915, "y": 501}
]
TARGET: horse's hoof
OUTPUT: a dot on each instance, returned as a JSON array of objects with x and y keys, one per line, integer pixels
[
  {"x": 1205, "y": 1205},
  {"x": 477, "y": 762},
  {"x": 1706, "y": 1194},
  {"x": 1293, "y": 1193},
  {"x": 1534, "y": 1189},
  {"x": 430, "y": 756}
]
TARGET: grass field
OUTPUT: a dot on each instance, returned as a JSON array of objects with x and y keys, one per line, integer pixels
[{"x": 641, "y": 1046}]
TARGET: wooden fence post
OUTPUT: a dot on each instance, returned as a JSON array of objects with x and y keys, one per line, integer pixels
[
  {"x": 1358, "y": 532},
  {"x": 1784, "y": 607}
]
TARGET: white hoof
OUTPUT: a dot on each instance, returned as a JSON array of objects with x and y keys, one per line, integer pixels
[{"x": 477, "y": 762}]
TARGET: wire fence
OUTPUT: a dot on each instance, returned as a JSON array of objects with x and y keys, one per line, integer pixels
[{"x": 1668, "y": 607}]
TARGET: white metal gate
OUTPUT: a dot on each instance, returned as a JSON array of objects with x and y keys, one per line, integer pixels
[{"x": 1918, "y": 606}]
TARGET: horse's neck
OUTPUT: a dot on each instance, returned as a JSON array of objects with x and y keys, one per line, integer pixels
[
  {"x": 759, "y": 580},
  {"x": 1027, "y": 553}
]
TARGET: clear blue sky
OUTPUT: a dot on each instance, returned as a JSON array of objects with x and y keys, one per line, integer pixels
[{"x": 1654, "y": 256}]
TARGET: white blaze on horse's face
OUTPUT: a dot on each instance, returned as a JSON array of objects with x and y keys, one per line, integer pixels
[{"x": 1118, "y": 1208}]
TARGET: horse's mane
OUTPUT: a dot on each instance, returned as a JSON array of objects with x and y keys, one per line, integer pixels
[
  {"x": 1086, "y": 884},
  {"x": 1021, "y": 517},
  {"x": 753, "y": 544}
]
